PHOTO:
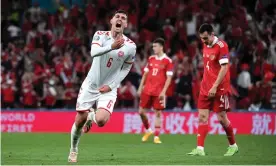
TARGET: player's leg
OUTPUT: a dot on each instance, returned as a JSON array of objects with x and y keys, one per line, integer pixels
[
  {"x": 158, "y": 106},
  {"x": 157, "y": 126},
  {"x": 204, "y": 105},
  {"x": 76, "y": 132},
  {"x": 101, "y": 115},
  {"x": 221, "y": 106},
  {"x": 88, "y": 124},
  {"x": 76, "y": 129},
  {"x": 145, "y": 103},
  {"x": 84, "y": 102}
]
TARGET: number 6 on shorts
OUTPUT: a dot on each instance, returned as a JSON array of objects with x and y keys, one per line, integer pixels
[{"x": 109, "y": 104}]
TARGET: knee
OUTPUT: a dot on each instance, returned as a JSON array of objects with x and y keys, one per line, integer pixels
[
  {"x": 101, "y": 120},
  {"x": 222, "y": 118},
  {"x": 202, "y": 118},
  {"x": 142, "y": 111},
  {"x": 158, "y": 114}
]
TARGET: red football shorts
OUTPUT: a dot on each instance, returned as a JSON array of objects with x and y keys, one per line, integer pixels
[
  {"x": 217, "y": 104},
  {"x": 147, "y": 101}
]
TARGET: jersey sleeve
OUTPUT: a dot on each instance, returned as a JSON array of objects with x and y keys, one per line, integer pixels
[
  {"x": 98, "y": 38},
  {"x": 223, "y": 53},
  {"x": 169, "y": 69},
  {"x": 131, "y": 57}
]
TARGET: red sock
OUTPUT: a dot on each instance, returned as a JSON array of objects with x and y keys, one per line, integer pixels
[
  {"x": 201, "y": 134},
  {"x": 230, "y": 134},
  {"x": 157, "y": 131},
  {"x": 145, "y": 121}
]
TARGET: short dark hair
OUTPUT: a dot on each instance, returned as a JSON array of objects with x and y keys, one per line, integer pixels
[
  {"x": 206, "y": 28},
  {"x": 160, "y": 41},
  {"x": 120, "y": 11}
]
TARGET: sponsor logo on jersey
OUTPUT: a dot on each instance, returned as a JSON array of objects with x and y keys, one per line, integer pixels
[{"x": 120, "y": 54}]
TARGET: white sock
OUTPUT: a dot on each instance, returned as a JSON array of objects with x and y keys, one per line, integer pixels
[
  {"x": 200, "y": 147},
  {"x": 92, "y": 116},
  {"x": 234, "y": 145},
  {"x": 75, "y": 138}
]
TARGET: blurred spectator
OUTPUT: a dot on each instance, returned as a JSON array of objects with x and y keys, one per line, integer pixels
[
  {"x": 50, "y": 94},
  {"x": 29, "y": 98},
  {"x": 14, "y": 31},
  {"x": 70, "y": 96},
  {"x": 272, "y": 50},
  {"x": 127, "y": 96},
  {"x": 244, "y": 81},
  {"x": 261, "y": 93},
  {"x": 184, "y": 87},
  {"x": 8, "y": 90}
]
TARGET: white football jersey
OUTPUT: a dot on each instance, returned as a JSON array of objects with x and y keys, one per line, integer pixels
[{"x": 105, "y": 68}]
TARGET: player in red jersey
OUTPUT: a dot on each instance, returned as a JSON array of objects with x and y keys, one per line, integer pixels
[
  {"x": 214, "y": 90},
  {"x": 153, "y": 87}
]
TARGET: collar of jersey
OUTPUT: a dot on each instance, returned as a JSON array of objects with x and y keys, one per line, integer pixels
[
  {"x": 214, "y": 42},
  {"x": 111, "y": 37}
]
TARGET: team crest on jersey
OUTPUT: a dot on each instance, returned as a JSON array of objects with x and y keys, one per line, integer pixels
[
  {"x": 121, "y": 54},
  {"x": 212, "y": 57},
  {"x": 96, "y": 38}
]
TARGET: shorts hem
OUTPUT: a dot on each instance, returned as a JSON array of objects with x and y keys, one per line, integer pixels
[
  {"x": 157, "y": 109},
  {"x": 105, "y": 110},
  {"x": 83, "y": 110}
]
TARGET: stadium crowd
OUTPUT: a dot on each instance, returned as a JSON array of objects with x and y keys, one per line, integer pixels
[{"x": 45, "y": 56}]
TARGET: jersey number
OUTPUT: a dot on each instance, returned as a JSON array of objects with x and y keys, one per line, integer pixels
[
  {"x": 207, "y": 65},
  {"x": 109, "y": 62},
  {"x": 109, "y": 104},
  {"x": 154, "y": 72}
]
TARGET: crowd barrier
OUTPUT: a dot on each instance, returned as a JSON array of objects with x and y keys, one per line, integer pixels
[{"x": 259, "y": 123}]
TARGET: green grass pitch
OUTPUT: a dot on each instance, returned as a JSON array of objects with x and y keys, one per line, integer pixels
[{"x": 127, "y": 149}]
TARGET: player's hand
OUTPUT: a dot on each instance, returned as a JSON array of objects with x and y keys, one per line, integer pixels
[
  {"x": 105, "y": 89},
  {"x": 212, "y": 92},
  {"x": 162, "y": 97},
  {"x": 118, "y": 43}
]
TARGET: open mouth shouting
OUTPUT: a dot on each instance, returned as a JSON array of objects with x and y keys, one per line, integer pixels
[{"x": 118, "y": 24}]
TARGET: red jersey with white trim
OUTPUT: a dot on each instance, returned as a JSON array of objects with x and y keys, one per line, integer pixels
[
  {"x": 158, "y": 68},
  {"x": 214, "y": 56}
]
